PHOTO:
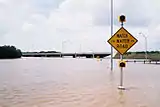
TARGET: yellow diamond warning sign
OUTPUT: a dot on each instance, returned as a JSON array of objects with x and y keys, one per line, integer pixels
[{"x": 122, "y": 40}]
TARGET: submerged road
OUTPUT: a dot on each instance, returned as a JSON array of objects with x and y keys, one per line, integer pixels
[{"x": 68, "y": 82}]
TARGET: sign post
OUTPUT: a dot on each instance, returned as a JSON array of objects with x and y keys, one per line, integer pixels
[
  {"x": 111, "y": 34},
  {"x": 121, "y": 78},
  {"x": 122, "y": 19},
  {"x": 122, "y": 41}
]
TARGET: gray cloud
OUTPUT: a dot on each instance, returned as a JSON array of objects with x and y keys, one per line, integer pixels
[
  {"x": 138, "y": 13},
  {"x": 102, "y": 18},
  {"x": 45, "y": 6},
  {"x": 45, "y": 24}
]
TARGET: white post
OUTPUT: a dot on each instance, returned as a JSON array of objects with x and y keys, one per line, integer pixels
[
  {"x": 111, "y": 34},
  {"x": 62, "y": 48},
  {"x": 80, "y": 50},
  {"x": 145, "y": 38},
  {"x": 93, "y": 54},
  {"x": 121, "y": 70},
  {"x": 63, "y": 42},
  {"x": 146, "y": 56},
  {"x": 121, "y": 76}
]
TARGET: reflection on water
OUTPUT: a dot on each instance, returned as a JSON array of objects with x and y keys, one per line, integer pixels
[{"x": 47, "y": 82}]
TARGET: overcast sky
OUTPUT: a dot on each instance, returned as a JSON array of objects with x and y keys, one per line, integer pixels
[{"x": 80, "y": 25}]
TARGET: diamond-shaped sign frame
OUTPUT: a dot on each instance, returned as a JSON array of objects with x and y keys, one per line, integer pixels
[{"x": 122, "y": 28}]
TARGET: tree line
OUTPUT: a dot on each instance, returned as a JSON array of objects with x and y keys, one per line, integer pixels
[
  {"x": 143, "y": 52},
  {"x": 9, "y": 52}
]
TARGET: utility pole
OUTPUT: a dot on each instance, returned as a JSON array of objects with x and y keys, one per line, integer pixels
[
  {"x": 111, "y": 34},
  {"x": 145, "y": 38}
]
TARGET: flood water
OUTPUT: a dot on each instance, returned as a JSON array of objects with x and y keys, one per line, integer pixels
[{"x": 68, "y": 82}]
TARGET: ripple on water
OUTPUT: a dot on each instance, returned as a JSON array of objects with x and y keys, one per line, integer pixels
[{"x": 57, "y": 83}]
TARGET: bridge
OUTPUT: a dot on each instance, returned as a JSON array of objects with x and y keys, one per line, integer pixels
[{"x": 74, "y": 55}]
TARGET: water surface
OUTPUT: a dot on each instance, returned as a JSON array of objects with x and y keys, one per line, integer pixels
[{"x": 68, "y": 82}]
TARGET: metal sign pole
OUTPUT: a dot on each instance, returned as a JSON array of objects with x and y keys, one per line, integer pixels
[
  {"x": 121, "y": 70},
  {"x": 121, "y": 78},
  {"x": 122, "y": 41},
  {"x": 111, "y": 34}
]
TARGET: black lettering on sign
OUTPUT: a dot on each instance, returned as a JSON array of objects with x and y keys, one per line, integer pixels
[
  {"x": 126, "y": 46},
  {"x": 127, "y": 40},
  {"x": 125, "y": 35},
  {"x": 118, "y": 40},
  {"x": 118, "y": 45},
  {"x": 122, "y": 40},
  {"x": 122, "y": 35},
  {"x": 118, "y": 36},
  {"x": 122, "y": 46},
  {"x": 113, "y": 40}
]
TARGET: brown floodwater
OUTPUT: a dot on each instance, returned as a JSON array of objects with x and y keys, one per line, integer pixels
[{"x": 68, "y": 82}]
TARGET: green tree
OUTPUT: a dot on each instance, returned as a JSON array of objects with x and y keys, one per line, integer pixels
[{"x": 7, "y": 52}]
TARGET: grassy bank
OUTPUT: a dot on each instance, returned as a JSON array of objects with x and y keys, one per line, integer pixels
[{"x": 140, "y": 55}]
